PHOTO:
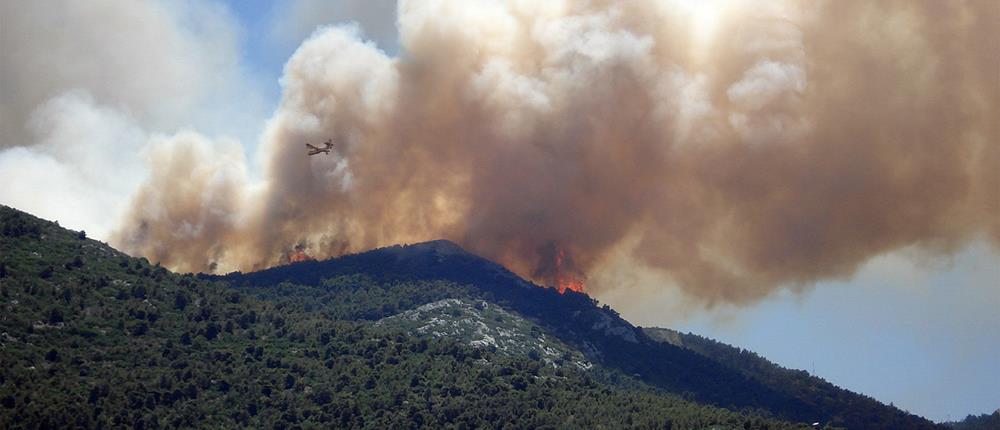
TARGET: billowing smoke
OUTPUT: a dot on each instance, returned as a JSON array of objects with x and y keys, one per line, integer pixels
[
  {"x": 737, "y": 148},
  {"x": 84, "y": 86}
]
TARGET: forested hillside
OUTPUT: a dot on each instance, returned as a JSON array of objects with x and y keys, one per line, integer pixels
[
  {"x": 857, "y": 410},
  {"x": 92, "y": 338},
  {"x": 978, "y": 422},
  {"x": 600, "y": 333}
]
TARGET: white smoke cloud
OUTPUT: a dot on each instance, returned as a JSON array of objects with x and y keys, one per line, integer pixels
[
  {"x": 730, "y": 152},
  {"x": 730, "y": 148},
  {"x": 83, "y": 164},
  {"x": 84, "y": 84}
]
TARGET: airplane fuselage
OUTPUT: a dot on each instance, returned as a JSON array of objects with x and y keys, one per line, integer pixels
[{"x": 313, "y": 150}]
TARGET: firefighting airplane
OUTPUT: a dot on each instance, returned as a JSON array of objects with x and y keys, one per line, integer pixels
[{"x": 328, "y": 145}]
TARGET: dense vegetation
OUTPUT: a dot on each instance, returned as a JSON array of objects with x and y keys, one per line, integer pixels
[
  {"x": 722, "y": 380},
  {"x": 978, "y": 422},
  {"x": 92, "y": 338}
]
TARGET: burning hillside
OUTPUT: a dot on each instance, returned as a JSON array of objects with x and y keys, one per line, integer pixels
[
  {"x": 299, "y": 254},
  {"x": 556, "y": 269}
]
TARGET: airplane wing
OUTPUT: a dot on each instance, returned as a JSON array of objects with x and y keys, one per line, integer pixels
[{"x": 312, "y": 147}]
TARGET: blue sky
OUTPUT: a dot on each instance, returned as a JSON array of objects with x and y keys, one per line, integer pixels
[
  {"x": 263, "y": 55},
  {"x": 923, "y": 338},
  {"x": 917, "y": 332}
]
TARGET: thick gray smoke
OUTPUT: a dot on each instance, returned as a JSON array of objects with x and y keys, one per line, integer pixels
[{"x": 736, "y": 148}]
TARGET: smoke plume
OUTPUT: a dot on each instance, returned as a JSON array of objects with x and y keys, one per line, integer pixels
[
  {"x": 84, "y": 86},
  {"x": 737, "y": 148}
]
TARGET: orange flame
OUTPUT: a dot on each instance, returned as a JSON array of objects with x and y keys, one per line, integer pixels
[
  {"x": 568, "y": 283},
  {"x": 563, "y": 278},
  {"x": 299, "y": 254}
]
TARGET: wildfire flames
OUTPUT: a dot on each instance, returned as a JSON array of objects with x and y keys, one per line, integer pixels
[
  {"x": 564, "y": 279},
  {"x": 556, "y": 269},
  {"x": 299, "y": 254},
  {"x": 569, "y": 283}
]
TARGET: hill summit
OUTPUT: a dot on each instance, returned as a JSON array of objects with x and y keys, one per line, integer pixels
[{"x": 423, "y": 335}]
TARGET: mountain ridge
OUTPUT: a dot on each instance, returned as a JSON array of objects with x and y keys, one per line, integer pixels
[
  {"x": 79, "y": 313},
  {"x": 92, "y": 338},
  {"x": 794, "y": 382},
  {"x": 598, "y": 331}
]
